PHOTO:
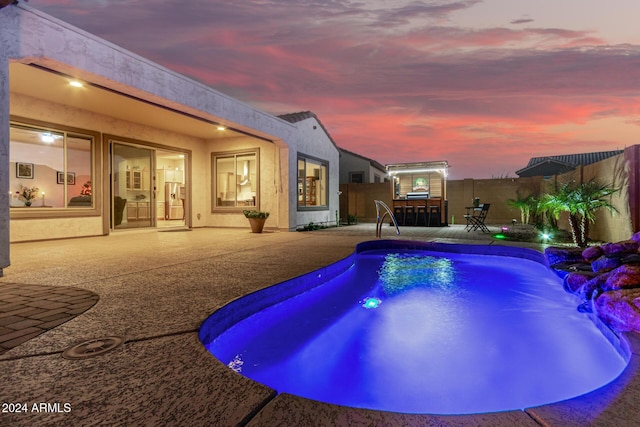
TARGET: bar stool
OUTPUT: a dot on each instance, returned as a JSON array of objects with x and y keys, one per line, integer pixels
[
  {"x": 398, "y": 212},
  {"x": 422, "y": 213},
  {"x": 410, "y": 210},
  {"x": 434, "y": 210}
]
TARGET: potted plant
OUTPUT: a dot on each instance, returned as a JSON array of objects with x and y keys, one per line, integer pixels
[{"x": 256, "y": 219}]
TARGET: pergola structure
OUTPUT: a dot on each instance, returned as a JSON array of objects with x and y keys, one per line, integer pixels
[
  {"x": 419, "y": 192},
  {"x": 407, "y": 178}
]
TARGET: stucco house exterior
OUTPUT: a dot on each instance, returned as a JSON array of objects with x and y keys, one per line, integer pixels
[
  {"x": 95, "y": 139},
  {"x": 358, "y": 169}
]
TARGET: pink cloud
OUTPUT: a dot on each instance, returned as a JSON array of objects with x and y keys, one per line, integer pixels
[{"x": 393, "y": 83}]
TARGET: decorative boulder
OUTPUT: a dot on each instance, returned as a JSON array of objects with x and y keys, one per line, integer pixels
[
  {"x": 625, "y": 276},
  {"x": 557, "y": 255},
  {"x": 592, "y": 252},
  {"x": 588, "y": 289},
  {"x": 605, "y": 263},
  {"x": 627, "y": 246},
  {"x": 620, "y": 309},
  {"x": 631, "y": 259},
  {"x": 569, "y": 267},
  {"x": 574, "y": 281}
]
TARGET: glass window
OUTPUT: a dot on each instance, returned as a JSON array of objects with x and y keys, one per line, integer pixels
[
  {"x": 312, "y": 183},
  {"x": 52, "y": 169},
  {"x": 235, "y": 179},
  {"x": 356, "y": 177}
]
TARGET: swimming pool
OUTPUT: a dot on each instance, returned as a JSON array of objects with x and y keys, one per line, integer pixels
[{"x": 419, "y": 328}]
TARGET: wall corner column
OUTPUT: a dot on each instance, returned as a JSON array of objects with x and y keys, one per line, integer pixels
[
  {"x": 9, "y": 40},
  {"x": 4, "y": 162}
]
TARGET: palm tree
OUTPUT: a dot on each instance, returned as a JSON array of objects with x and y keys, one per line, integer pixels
[
  {"x": 526, "y": 204},
  {"x": 580, "y": 201}
]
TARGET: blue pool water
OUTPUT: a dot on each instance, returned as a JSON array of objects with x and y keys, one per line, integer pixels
[{"x": 410, "y": 330}]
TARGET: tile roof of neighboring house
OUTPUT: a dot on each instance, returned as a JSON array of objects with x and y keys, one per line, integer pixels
[
  {"x": 373, "y": 163},
  {"x": 552, "y": 165},
  {"x": 304, "y": 115}
]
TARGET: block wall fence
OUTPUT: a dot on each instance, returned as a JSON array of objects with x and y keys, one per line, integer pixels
[{"x": 621, "y": 171}]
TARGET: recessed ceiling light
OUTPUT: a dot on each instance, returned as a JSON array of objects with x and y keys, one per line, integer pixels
[
  {"x": 75, "y": 83},
  {"x": 220, "y": 127},
  {"x": 47, "y": 138}
]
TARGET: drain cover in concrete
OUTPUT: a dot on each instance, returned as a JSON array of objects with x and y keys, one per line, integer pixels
[{"x": 92, "y": 348}]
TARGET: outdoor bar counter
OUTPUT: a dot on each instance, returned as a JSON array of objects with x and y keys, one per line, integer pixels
[
  {"x": 419, "y": 193},
  {"x": 430, "y": 212}
]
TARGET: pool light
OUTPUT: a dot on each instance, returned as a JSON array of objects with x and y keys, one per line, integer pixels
[{"x": 371, "y": 302}]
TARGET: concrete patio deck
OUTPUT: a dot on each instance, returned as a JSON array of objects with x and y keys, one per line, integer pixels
[{"x": 155, "y": 288}]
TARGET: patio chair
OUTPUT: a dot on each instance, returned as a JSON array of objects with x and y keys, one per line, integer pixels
[{"x": 476, "y": 221}]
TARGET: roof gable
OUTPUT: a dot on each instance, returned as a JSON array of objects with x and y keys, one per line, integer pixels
[
  {"x": 372, "y": 162},
  {"x": 304, "y": 115},
  {"x": 553, "y": 165}
]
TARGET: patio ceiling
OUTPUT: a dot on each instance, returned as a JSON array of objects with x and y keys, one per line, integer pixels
[{"x": 50, "y": 86}]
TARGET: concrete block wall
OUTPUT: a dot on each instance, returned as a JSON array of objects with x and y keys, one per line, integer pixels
[{"x": 621, "y": 171}]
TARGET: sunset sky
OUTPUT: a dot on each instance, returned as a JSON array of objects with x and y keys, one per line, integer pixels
[{"x": 484, "y": 85}]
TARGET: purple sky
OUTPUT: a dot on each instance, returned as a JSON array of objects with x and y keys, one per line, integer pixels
[{"x": 484, "y": 85}]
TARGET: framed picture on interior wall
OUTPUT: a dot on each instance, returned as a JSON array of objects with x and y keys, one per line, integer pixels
[
  {"x": 71, "y": 178},
  {"x": 24, "y": 170}
]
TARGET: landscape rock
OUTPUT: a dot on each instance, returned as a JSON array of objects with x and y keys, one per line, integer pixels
[
  {"x": 611, "y": 288},
  {"x": 627, "y": 246},
  {"x": 620, "y": 309},
  {"x": 557, "y": 255},
  {"x": 606, "y": 263},
  {"x": 573, "y": 266},
  {"x": 574, "y": 281},
  {"x": 631, "y": 259},
  {"x": 588, "y": 290},
  {"x": 625, "y": 276},
  {"x": 592, "y": 252}
]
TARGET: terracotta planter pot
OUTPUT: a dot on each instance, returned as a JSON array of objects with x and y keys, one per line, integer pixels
[{"x": 257, "y": 224}]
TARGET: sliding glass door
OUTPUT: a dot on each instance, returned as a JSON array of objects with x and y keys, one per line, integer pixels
[{"x": 132, "y": 176}]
